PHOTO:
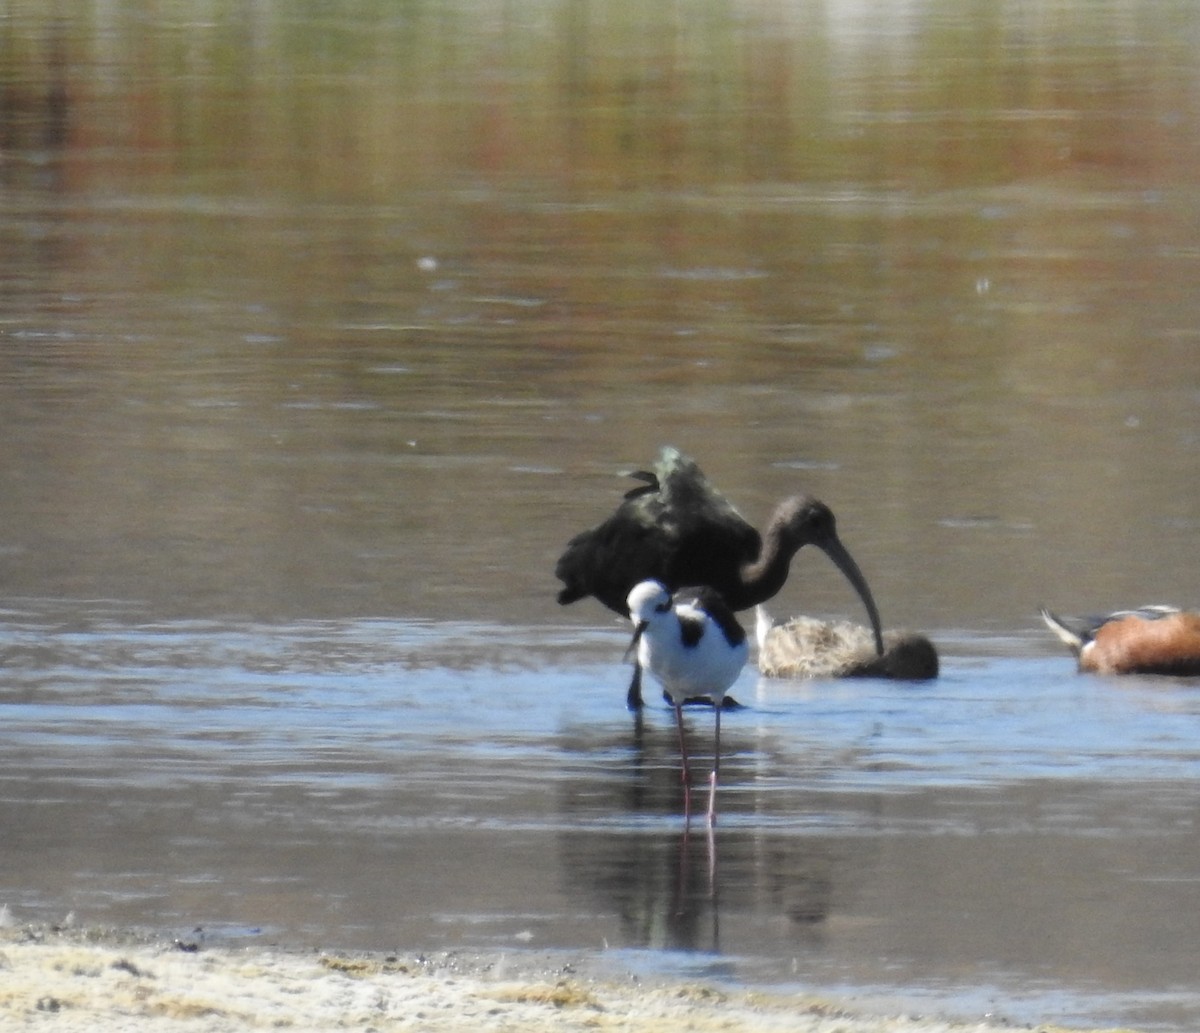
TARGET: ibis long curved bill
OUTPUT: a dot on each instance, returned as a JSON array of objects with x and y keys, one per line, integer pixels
[{"x": 837, "y": 552}]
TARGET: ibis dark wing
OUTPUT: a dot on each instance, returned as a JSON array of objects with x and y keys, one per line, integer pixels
[
  {"x": 675, "y": 528},
  {"x": 609, "y": 560}
]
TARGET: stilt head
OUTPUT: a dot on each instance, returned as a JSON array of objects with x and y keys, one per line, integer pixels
[{"x": 646, "y": 599}]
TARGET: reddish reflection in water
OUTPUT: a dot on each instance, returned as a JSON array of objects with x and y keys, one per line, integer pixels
[
  {"x": 342, "y": 317},
  {"x": 358, "y": 317}
]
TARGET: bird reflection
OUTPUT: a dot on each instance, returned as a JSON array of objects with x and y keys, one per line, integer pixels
[
  {"x": 696, "y": 886},
  {"x": 626, "y": 846},
  {"x": 658, "y": 873}
]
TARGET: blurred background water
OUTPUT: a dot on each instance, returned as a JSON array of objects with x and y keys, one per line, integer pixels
[{"x": 322, "y": 328}]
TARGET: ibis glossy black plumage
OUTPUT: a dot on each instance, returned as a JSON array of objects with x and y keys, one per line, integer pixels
[
  {"x": 694, "y": 646},
  {"x": 677, "y": 529}
]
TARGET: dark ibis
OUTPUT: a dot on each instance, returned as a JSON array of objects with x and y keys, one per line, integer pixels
[
  {"x": 1148, "y": 640},
  {"x": 675, "y": 528},
  {"x": 694, "y": 646},
  {"x": 804, "y": 647}
]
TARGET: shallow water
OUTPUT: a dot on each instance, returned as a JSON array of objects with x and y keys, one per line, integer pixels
[
  {"x": 322, "y": 331},
  {"x": 1012, "y": 838}
]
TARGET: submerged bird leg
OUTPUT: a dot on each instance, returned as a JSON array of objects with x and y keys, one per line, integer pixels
[
  {"x": 633, "y": 698},
  {"x": 687, "y": 774},
  {"x": 712, "y": 778}
]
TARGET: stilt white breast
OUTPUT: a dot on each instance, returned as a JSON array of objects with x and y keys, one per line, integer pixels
[{"x": 695, "y": 647}]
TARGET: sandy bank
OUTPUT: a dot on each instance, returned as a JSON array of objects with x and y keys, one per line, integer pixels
[{"x": 87, "y": 980}]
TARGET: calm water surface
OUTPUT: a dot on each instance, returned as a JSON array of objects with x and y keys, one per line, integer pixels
[
  {"x": 1012, "y": 838},
  {"x": 321, "y": 332}
]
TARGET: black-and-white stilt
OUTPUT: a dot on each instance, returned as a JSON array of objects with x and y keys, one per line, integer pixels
[
  {"x": 678, "y": 530},
  {"x": 693, "y": 644}
]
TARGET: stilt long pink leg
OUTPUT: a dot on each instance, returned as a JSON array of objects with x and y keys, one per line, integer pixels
[
  {"x": 712, "y": 779},
  {"x": 687, "y": 774}
]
